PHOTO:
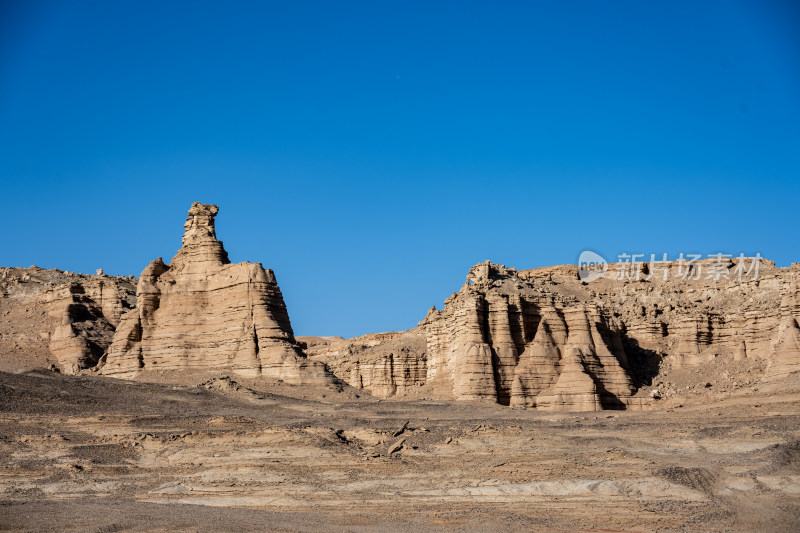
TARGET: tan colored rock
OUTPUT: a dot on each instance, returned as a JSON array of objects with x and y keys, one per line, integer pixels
[
  {"x": 786, "y": 356},
  {"x": 505, "y": 355},
  {"x": 503, "y": 339},
  {"x": 381, "y": 364},
  {"x": 395, "y": 447},
  {"x": 60, "y": 319},
  {"x": 524, "y": 338},
  {"x": 574, "y": 390},
  {"x": 785, "y": 351},
  {"x": 202, "y": 312},
  {"x": 505, "y": 335},
  {"x": 539, "y": 365}
]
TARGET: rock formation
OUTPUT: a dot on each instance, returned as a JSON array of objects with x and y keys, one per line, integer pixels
[
  {"x": 59, "y": 319},
  {"x": 543, "y": 338},
  {"x": 381, "y": 364},
  {"x": 88, "y": 314},
  {"x": 784, "y": 354},
  {"x": 202, "y": 312},
  {"x": 503, "y": 340}
]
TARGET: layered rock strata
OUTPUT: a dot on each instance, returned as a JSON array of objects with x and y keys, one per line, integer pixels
[
  {"x": 59, "y": 319},
  {"x": 380, "y": 364},
  {"x": 544, "y": 338},
  {"x": 500, "y": 339},
  {"x": 88, "y": 314},
  {"x": 202, "y": 312},
  {"x": 532, "y": 337}
]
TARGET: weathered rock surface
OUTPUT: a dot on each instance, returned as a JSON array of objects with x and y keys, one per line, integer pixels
[
  {"x": 540, "y": 338},
  {"x": 202, "y": 312},
  {"x": 381, "y": 364},
  {"x": 504, "y": 339},
  {"x": 59, "y": 319},
  {"x": 543, "y": 338}
]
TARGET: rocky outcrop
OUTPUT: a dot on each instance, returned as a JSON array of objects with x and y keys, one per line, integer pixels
[
  {"x": 202, "y": 312},
  {"x": 59, "y": 319},
  {"x": 573, "y": 390},
  {"x": 543, "y": 338},
  {"x": 380, "y": 364},
  {"x": 502, "y": 340},
  {"x": 89, "y": 313},
  {"x": 784, "y": 356},
  {"x": 785, "y": 359}
]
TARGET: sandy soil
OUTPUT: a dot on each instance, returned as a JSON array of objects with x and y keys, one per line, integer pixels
[{"x": 98, "y": 454}]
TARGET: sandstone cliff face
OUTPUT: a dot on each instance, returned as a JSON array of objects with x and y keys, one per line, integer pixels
[
  {"x": 380, "y": 364},
  {"x": 60, "y": 319},
  {"x": 505, "y": 340},
  {"x": 89, "y": 313},
  {"x": 202, "y": 312},
  {"x": 537, "y": 338},
  {"x": 543, "y": 338},
  {"x": 688, "y": 323}
]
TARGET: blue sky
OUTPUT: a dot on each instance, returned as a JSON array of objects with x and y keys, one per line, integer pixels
[{"x": 370, "y": 154}]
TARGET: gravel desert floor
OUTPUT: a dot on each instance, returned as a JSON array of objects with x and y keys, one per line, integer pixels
[{"x": 99, "y": 454}]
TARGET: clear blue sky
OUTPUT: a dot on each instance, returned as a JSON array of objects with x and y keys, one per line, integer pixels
[{"x": 370, "y": 152}]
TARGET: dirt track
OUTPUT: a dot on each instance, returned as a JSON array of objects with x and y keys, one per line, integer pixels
[{"x": 101, "y": 454}]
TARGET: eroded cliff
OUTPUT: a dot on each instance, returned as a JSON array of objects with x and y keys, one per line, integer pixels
[
  {"x": 52, "y": 318},
  {"x": 547, "y": 339}
]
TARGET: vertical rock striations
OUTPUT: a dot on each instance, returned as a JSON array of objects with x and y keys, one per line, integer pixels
[
  {"x": 381, "y": 364},
  {"x": 504, "y": 340},
  {"x": 542, "y": 338},
  {"x": 87, "y": 311}
]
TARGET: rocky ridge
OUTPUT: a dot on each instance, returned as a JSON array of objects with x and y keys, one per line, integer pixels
[{"x": 545, "y": 338}]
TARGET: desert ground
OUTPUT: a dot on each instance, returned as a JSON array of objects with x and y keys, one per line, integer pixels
[{"x": 90, "y": 453}]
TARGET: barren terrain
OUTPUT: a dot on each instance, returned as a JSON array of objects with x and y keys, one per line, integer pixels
[{"x": 100, "y": 454}]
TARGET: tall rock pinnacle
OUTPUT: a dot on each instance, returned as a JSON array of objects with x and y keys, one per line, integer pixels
[
  {"x": 200, "y": 249},
  {"x": 202, "y": 312}
]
